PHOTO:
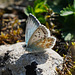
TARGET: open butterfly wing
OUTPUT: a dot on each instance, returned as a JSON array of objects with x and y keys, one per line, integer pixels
[{"x": 31, "y": 25}]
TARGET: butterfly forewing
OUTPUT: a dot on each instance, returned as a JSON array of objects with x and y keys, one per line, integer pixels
[
  {"x": 31, "y": 25},
  {"x": 39, "y": 33}
]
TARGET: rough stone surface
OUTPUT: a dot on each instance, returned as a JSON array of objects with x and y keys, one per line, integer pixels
[{"x": 14, "y": 60}]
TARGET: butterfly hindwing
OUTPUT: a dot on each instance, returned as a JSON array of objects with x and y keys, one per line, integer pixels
[
  {"x": 47, "y": 42},
  {"x": 42, "y": 44},
  {"x": 31, "y": 25}
]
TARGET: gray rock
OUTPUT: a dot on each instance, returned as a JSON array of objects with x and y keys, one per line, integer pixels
[{"x": 17, "y": 61}]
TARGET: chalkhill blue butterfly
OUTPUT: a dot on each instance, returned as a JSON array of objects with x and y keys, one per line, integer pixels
[{"x": 37, "y": 36}]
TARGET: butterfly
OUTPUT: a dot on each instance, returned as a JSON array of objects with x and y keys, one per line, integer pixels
[{"x": 37, "y": 36}]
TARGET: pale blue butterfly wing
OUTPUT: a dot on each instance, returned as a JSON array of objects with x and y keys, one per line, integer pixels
[{"x": 31, "y": 25}]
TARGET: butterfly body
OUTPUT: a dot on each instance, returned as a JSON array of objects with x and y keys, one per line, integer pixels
[{"x": 39, "y": 37}]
